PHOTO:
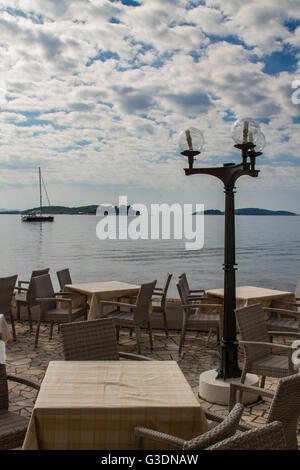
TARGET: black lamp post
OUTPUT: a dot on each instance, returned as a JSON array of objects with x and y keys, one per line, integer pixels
[{"x": 249, "y": 139}]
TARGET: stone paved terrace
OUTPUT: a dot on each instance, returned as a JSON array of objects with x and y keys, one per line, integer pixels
[{"x": 25, "y": 361}]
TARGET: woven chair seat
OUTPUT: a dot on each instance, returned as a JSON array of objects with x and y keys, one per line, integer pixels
[
  {"x": 121, "y": 317},
  {"x": 271, "y": 365},
  {"x": 20, "y": 297},
  {"x": 12, "y": 430},
  {"x": 60, "y": 314},
  {"x": 211, "y": 320},
  {"x": 283, "y": 324}
]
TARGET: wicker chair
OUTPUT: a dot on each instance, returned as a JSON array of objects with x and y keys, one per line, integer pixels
[
  {"x": 194, "y": 294},
  {"x": 220, "y": 429},
  {"x": 285, "y": 406},
  {"x": 159, "y": 305},
  {"x": 260, "y": 358},
  {"x": 93, "y": 340},
  {"x": 25, "y": 296},
  {"x": 49, "y": 310},
  {"x": 12, "y": 426},
  {"x": 197, "y": 321},
  {"x": 138, "y": 315},
  {"x": 284, "y": 315},
  {"x": 64, "y": 277},
  {"x": 7, "y": 285},
  {"x": 268, "y": 437}
]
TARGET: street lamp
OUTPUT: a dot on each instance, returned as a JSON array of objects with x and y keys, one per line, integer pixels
[{"x": 250, "y": 141}]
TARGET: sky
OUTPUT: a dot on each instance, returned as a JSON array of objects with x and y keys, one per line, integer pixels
[{"x": 96, "y": 92}]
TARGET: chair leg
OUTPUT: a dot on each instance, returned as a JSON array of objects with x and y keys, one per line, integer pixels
[
  {"x": 51, "y": 330},
  {"x": 37, "y": 333},
  {"x": 138, "y": 339},
  {"x": 118, "y": 333},
  {"x": 150, "y": 336},
  {"x": 130, "y": 333},
  {"x": 13, "y": 326},
  {"x": 208, "y": 336},
  {"x": 262, "y": 382},
  {"x": 165, "y": 322},
  {"x": 182, "y": 338},
  {"x": 240, "y": 393},
  {"x": 18, "y": 311},
  {"x": 29, "y": 318}
]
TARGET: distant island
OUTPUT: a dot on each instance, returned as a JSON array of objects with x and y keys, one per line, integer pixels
[
  {"x": 91, "y": 210},
  {"x": 248, "y": 211}
]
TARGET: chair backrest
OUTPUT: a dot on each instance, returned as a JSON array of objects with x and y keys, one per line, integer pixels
[
  {"x": 7, "y": 285},
  {"x": 185, "y": 284},
  {"x": 285, "y": 408},
  {"x": 43, "y": 288},
  {"x": 165, "y": 289},
  {"x": 30, "y": 298},
  {"x": 141, "y": 312},
  {"x": 267, "y": 437},
  {"x": 93, "y": 340},
  {"x": 222, "y": 431},
  {"x": 64, "y": 277},
  {"x": 183, "y": 294},
  {"x": 3, "y": 388},
  {"x": 253, "y": 327}
]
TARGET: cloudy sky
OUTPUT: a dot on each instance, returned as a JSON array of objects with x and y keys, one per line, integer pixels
[{"x": 96, "y": 92}]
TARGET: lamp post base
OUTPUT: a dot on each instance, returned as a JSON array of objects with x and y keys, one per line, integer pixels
[{"x": 217, "y": 391}]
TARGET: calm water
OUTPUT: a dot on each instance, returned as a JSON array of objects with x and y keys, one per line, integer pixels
[{"x": 268, "y": 252}]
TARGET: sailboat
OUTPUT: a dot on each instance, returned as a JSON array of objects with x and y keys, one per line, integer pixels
[{"x": 38, "y": 217}]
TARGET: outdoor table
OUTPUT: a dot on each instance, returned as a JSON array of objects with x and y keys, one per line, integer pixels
[
  {"x": 95, "y": 405},
  {"x": 249, "y": 295},
  {"x": 97, "y": 291}
]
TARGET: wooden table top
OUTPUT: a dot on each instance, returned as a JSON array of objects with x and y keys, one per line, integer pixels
[{"x": 251, "y": 293}]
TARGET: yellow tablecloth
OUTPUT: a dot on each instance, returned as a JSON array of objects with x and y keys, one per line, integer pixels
[
  {"x": 249, "y": 295},
  {"x": 97, "y": 291},
  {"x": 97, "y": 404}
]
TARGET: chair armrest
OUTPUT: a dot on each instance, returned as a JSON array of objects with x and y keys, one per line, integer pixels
[
  {"x": 272, "y": 345},
  {"x": 26, "y": 382},
  {"x": 134, "y": 357},
  {"x": 141, "y": 432},
  {"x": 196, "y": 290},
  {"x": 118, "y": 304},
  {"x": 71, "y": 294},
  {"x": 158, "y": 288},
  {"x": 284, "y": 333},
  {"x": 283, "y": 311},
  {"x": 200, "y": 305},
  {"x": 286, "y": 302},
  {"x": 53, "y": 299},
  {"x": 235, "y": 387}
]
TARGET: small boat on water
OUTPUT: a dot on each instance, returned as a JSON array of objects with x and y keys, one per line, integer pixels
[{"x": 37, "y": 215}]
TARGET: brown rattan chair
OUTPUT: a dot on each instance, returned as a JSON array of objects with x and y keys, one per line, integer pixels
[
  {"x": 284, "y": 315},
  {"x": 268, "y": 437},
  {"x": 12, "y": 426},
  {"x": 220, "y": 429},
  {"x": 7, "y": 285},
  {"x": 93, "y": 340},
  {"x": 64, "y": 277},
  {"x": 159, "y": 304},
  {"x": 260, "y": 357},
  {"x": 138, "y": 315},
  {"x": 285, "y": 406},
  {"x": 194, "y": 295},
  {"x": 197, "y": 321},
  {"x": 25, "y": 295},
  {"x": 50, "y": 311}
]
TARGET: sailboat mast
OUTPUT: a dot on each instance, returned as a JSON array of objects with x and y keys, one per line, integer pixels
[{"x": 40, "y": 190}]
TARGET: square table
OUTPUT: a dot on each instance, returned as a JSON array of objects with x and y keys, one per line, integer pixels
[
  {"x": 97, "y": 404},
  {"x": 96, "y": 291},
  {"x": 249, "y": 295}
]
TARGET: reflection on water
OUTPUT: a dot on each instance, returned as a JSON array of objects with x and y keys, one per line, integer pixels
[{"x": 268, "y": 252}]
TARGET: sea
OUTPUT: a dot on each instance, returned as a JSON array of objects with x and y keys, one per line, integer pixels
[{"x": 267, "y": 252}]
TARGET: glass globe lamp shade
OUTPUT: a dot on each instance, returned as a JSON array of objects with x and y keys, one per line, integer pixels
[
  {"x": 191, "y": 139},
  {"x": 245, "y": 130},
  {"x": 260, "y": 142}
]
